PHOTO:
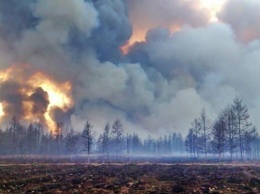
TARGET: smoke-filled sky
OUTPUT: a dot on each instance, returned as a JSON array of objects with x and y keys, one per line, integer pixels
[{"x": 153, "y": 64}]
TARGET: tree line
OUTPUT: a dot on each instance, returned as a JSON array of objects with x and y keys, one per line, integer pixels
[
  {"x": 231, "y": 135},
  {"x": 113, "y": 141}
]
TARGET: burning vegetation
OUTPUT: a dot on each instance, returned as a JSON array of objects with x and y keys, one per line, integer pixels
[
  {"x": 120, "y": 81},
  {"x": 67, "y": 63},
  {"x": 32, "y": 97}
]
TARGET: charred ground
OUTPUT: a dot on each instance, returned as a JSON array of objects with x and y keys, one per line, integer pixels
[{"x": 47, "y": 176}]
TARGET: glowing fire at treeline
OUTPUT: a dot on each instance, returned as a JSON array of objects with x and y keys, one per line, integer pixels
[{"x": 36, "y": 94}]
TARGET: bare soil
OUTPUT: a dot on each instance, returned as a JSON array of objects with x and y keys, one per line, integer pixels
[{"x": 129, "y": 178}]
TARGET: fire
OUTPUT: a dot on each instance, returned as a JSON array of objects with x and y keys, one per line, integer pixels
[
  {"x": 213, "y": 6},
  {"x": 1, "y": 110},
  {"x": 37, "y": 88},
  {"x": 59, "y": 95},
  {"x": 139, "y": 36}
]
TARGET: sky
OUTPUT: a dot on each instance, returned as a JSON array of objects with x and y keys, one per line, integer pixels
[{"x": 153, "y": 64}]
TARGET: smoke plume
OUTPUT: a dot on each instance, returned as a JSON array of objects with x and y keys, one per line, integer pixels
[{"x": 182, "y": 64}]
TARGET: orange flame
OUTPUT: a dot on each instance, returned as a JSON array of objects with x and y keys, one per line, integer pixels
[
  {"x": 59, "y": 94},
  {"x": 139, "y": 32},
  {"x": 1, "y": 110},
  {"x": 139, "y": 36}
]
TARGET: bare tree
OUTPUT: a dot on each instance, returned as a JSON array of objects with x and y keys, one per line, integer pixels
[
  {"x": 58, "y": 134},
  {"x": 118, "y": 135},
  {"x": 254, "y": 143},
  {"x": 21, "y": 134},
  {"x": 128, "y": 146},
  {"x": 30, "y": 138},
  {"x": 88, "y": 138},
  {"x": 190, "y": 143},
  {"x": 249, "y": 141},
  {"x": 14, "y": 127},
  {"x": 71, "y": 143},
  {"x": 104, "y": 140},
  {"x": 196, "y": 128},
  {"x": 242, "y": 116},
  {"x": 219, "y": 139},
  {"x": 33, "y": 138},
  {"x": 231, "y": 130},
  {"x": 205, "y": 127}
]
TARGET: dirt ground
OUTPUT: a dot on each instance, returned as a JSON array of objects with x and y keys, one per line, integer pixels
[{"x": 129, "y": 178}]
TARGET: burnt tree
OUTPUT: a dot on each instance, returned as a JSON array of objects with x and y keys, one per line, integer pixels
[
  {"x": 118, "y": 135},
  {"x": 87, "y": 138}
]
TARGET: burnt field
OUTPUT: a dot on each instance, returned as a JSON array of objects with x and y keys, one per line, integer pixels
[{"x": 129, "y": 178}]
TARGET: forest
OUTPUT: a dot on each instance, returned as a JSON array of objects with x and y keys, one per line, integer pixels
[{"x": 230, "y": 136}]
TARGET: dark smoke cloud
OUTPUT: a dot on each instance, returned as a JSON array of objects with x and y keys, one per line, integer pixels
[
  {"x": 13, "y": 98},
  {"x": 15, "y": 16},
  {"x": 114, "y": 29},
  {"x": 60, "y": 115},
  {"x": 46, "y": 33},
  {"x": 40, "y": 100},
  {"x": 39, "y": 33},
  {"x": 168, "y": 79}
]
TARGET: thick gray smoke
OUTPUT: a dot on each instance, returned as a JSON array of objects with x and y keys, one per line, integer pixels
[
  {"x": 13, "y": 97},
  {"x": 147, "y": 14},
  {"x": 243, "y": 16},
  {"x": 160, "y": 86}
]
